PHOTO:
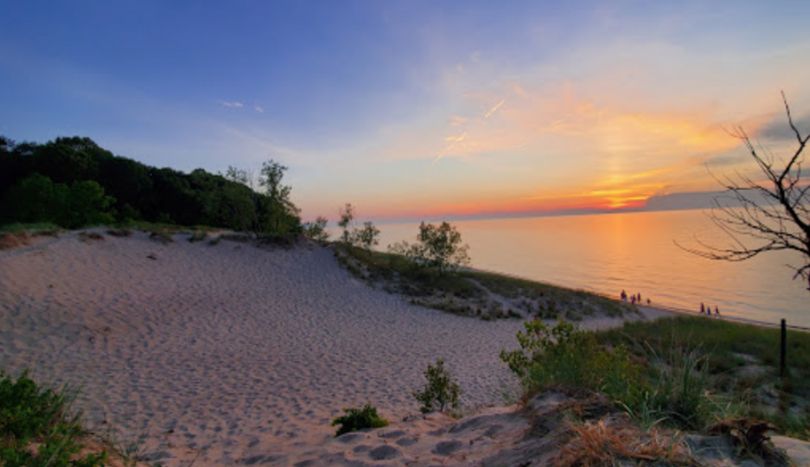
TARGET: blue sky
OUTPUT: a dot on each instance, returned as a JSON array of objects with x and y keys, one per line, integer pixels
[{"x": 412, "y": 108}]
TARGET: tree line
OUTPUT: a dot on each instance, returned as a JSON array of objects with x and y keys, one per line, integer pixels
[{"x": 74, "y": 182}]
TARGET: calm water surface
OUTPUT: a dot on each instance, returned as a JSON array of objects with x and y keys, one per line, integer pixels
[{"x": 635, "y": 252}]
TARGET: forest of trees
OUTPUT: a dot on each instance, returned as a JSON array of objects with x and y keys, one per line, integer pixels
[{"x": 73, "y": 182}]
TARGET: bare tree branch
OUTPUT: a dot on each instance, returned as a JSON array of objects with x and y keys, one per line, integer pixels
[{"x": 761, "y": 217}]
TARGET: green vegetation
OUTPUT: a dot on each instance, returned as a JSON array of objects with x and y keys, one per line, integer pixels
[
  {"x": 437, "y": 247},
  {"x": 440, "y": 391},
  {"x": 72, "y": 182},
  {"x": 473, "y": 293},
  {"x": 568, "y": 357},
  {"x": 316, "y": 230},
  {"x": 739, "y": 365},
  {"x": 34, "y": 228},
  {"x": 365, "y": 237},
  {"x": 36, "y": 198},
  {"x": 689, "y": 373},
  {"x": 359, "y": 419},
  {"x": 36, "y": 428}
]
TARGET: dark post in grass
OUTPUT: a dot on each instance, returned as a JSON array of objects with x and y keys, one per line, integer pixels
[{"x": 782, "y": 349}]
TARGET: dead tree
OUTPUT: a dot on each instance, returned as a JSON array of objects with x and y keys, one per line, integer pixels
[{"x": 768, "y": 214}]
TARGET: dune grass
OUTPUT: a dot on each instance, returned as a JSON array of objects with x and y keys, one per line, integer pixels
[
  {"x": 741, "y": 364},
  {"x": 688, "y": 373},
  {"x": 37, "y": 427}
]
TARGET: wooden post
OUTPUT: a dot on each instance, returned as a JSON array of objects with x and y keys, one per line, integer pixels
[{"x": 783, "y": 350}]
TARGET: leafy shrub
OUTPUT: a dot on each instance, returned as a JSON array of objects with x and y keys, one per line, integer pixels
[
  {"x": 672, "y": 388},
  {"x": 346, "y": 217},
  {"x": 366, "y": 237},
  {"x": 437, "y": 247},
  {"x": 566, "y": 356},
  {"x": 359, "y": 419},
  {"x": 316, "y": 230},
  {"x": 440, "y": 391},
  {"x": 31, "y": 414}
]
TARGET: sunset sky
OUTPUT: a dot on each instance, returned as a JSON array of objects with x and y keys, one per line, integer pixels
[{"x": 416, "y": 109}]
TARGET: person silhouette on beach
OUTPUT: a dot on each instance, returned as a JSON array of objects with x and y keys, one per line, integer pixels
[
  {"x": 716, "y": 311},
  {"x": 623, "y": 296},
  {"x": 648, "y": 301},
  {"x": 702, "y": 308}
]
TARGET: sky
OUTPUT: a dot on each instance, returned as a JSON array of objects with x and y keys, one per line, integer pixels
[{"x": 411, "y": 109}]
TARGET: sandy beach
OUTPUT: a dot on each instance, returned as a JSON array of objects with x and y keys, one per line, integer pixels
[{"x": 228, "y": 353}]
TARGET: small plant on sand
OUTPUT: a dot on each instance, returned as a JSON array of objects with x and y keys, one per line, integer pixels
[
  {"x": 440, "y": 391},
  {"x": 359, "y": 419},
  {"x": 36, "y": 428}
]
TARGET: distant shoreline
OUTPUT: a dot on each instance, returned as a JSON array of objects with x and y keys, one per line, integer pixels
[{"x": 660, "y": 308}]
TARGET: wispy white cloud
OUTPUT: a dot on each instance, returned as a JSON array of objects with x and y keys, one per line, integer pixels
[
  {"x": 232, "y": 104},
  {"x": 494, "y": 109},
  {"x": 258, "y": 108}
]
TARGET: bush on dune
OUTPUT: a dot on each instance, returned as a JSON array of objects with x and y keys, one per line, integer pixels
[
  {"x": 355, "y": 419},
  {"x": 441, "y": 392},
  {"x": 438, "y": 247},
  {"x": 671, "y": 388}
]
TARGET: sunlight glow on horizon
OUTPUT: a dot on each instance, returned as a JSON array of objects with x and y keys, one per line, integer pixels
[{"x": 412, "y": 109}]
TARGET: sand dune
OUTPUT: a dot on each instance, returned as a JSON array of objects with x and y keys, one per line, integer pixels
[{"x": 228, "y": 353}]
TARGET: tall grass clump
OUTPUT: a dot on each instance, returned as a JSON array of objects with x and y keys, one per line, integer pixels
[
  {"x": 671, "y": 388},
  {"x": 677, "y": 391},
  {"x": 37, "y": 429},
  {"x": 355, "y": 419},
  {"x": 735, "y": 365}
]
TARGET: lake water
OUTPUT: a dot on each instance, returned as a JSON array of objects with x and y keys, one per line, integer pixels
[{"x": 635, "y": 252}]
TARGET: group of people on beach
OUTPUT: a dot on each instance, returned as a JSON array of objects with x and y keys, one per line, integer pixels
[
  {"x": 634, "y": 299},
  {"x": 707, "y": 310}
]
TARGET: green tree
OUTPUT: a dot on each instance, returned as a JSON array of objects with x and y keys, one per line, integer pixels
[
  {"x": 34, "y": 199},
  {"x": 438, "y": 247},
  {"x": 280, "y": 215},
  {"x": 316, "y": 230},
  {"x": 367, "y": 236},
  {"x": 87, "y": 205},
  {"x": 346, "y": 218}
]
